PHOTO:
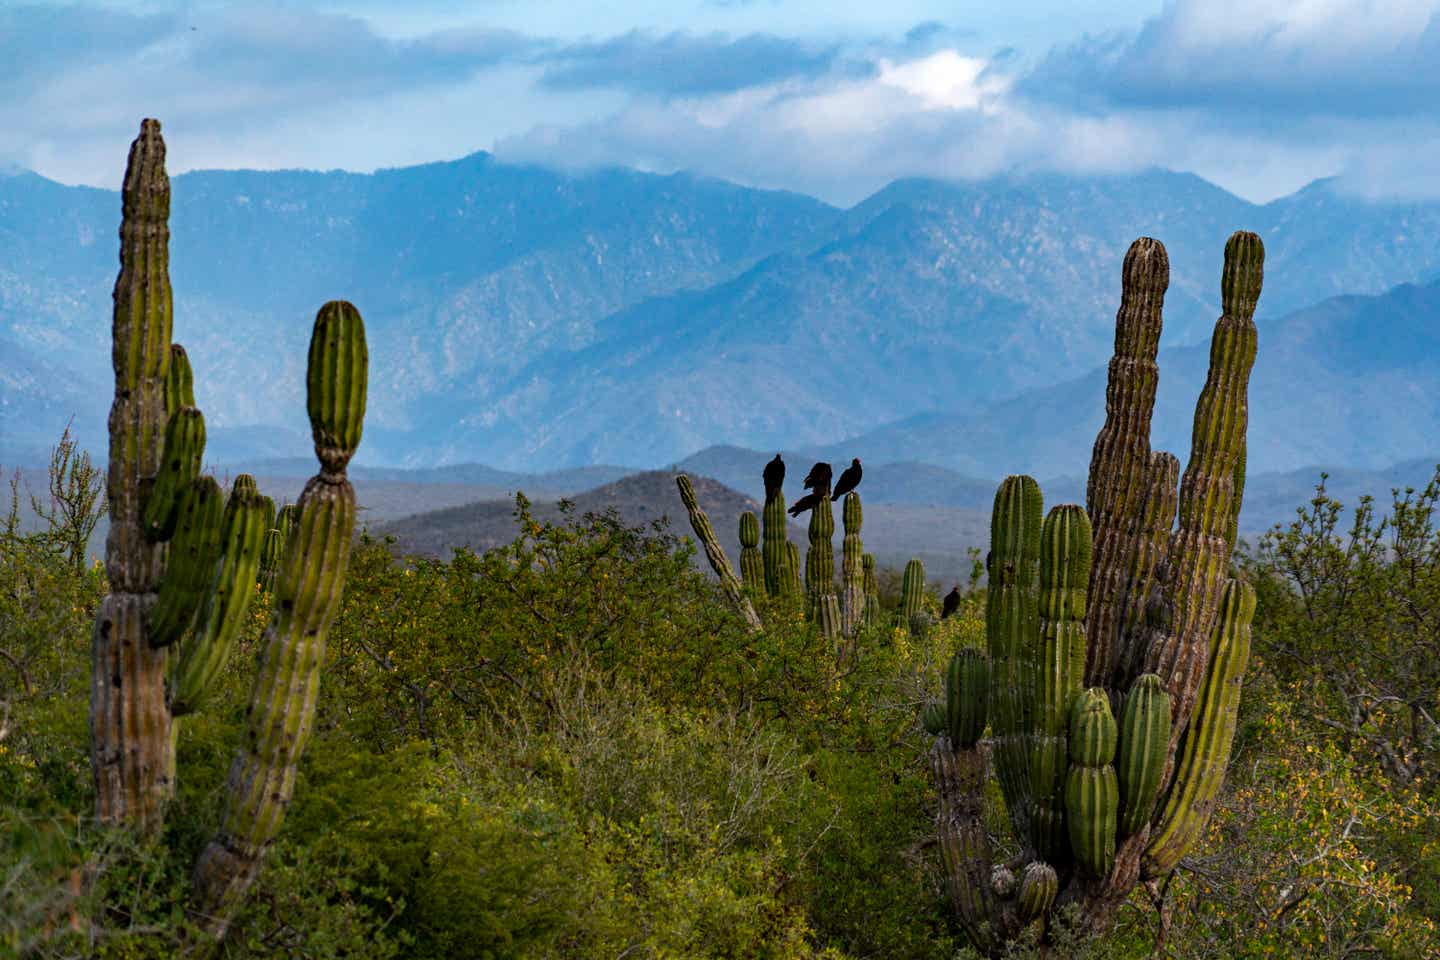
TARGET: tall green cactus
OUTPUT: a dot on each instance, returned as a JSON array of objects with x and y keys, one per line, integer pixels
[
  {"x": 776, "y": 553},
  {"x": 852, "y": 570},
  {"x": 752, "y": 568},
  {"x": 912, "y": 597},
  {"x": 872, "y": 590},
  {"x": 275, "y": 539},
  {"x": 821, "y": 602},
  {"x": 201, "y": 582},
  {"x": 1127, "y": 619}
]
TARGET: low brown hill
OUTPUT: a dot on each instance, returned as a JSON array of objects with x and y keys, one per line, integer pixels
[{"x": 640, "y": 499}]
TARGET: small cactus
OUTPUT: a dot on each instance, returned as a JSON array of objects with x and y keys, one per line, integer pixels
[{"x": 752, "y": 567}]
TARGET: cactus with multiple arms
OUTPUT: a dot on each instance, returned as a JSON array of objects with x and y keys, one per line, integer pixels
[
  {"x": 1129, "y": 618},
  {"x": 193, "y": 595}
]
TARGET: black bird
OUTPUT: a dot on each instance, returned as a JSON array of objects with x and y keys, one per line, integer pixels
[
  {"x": 774, "y": 477},
  {"x": 849, "y": 480},
  {"x": 819, "y": 478},
  {"x": 806, "y": 502},
  {"x": 952, "y": 602}
]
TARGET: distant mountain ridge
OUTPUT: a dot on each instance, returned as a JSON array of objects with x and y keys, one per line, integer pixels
[{"x": 535, "y": 320}]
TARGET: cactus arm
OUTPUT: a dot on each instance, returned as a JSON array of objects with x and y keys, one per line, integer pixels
[
  {"x": 1198, "y": 553},
  {"x": 191, "y": 559},
  {"x": 1092, "y": 794},
  {"x": 792, "y": 570},
  {"x": 852, "y": 569},
  {"x": 1059, "y": 670},
  {"x": 131, "y": 751},
  {"x": 713, "y": 552},
  {"x": 1119, "y": 464},
  {"x": 912, "y": 597},
  {"x": 179, "y": 464},
  {"x": 821, "y": 601},
  {"x": 1144, "y": 737},
  {"x": 965, "y": 844},
  {"x": 777, "y": 584},
  {"x": 1012, "y": 630},
  {"x": 308, "y": 593},
  {"x": 967, "y": 682},
  {"x": 1206, "y": 750},
  {"x": 752, "y": 567},
  {"x": 872, "y": 590},
  {"x": 1158, "y": 516},
  {"x": 230, "y": 588}
]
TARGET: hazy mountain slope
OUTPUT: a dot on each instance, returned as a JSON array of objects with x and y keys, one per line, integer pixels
[
  {"x": 1348, "y": 382},
  {"x": 532, "y": 320}
]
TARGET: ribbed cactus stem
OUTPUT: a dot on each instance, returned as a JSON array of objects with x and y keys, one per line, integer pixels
[
  {"x": 179, "y": 464},
  {"x": 872, "y": 590},
  {"x": 792, "y": 570},
  {"x": 1039, "y": 885},
  {"x": 307, "y": 600},
  {"x": 1012, "y": 630},
  {"x": 1059, "y": 670},
  {"x": 912, "y": 591},
  {"x": 822, "y": 602},
  {"x": 1144, "y": 737},
  {"x": 1158, "y": 516},
  {"x": 1120, "y": 462},
  {"x": 967, "y": 685},
  {"x": 191, "y": 561},
  {"x": 1206, "y": 750},
  {"x": 934, "y": 718},
  {"x": 1198, "y": 554},
  {"x": 965, "y": 843},
  {"x": 777, "y": 583},
  {"x": 275, "y": 539},
  {"x": 230, "y": 586},
  {"x": 719, "y": 563},
  {"x": 752, "y": 567},
  {"x": 131, "y": 748},
  {"x": 852, "y": 569},
  {"x": 1092, "y": 794},
  {"x": 179, "y": 381}
]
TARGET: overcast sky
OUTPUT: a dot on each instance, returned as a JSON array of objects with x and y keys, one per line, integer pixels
[{"x": 831, "y": 99}]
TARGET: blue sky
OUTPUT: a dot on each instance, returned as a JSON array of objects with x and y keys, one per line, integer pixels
[{"x": 835, "y": 100}]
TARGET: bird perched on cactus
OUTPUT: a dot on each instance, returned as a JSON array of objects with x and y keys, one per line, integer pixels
[
  {"x": 849, "y": 480},
  {"x": 818, "y": 479},
  {"x": 951, "y": 603},
  {"x": 805, "y": 503},
  {"x": 774, "y": 478}
]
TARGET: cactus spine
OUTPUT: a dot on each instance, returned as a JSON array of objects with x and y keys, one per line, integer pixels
[
  {"x": 1212, "y": 731},
  {"x": 777, "y": 556},
  {"x": 852, "y": 571},
  {"x": 713, "y": 552},
  {"x": 752, "y": 568},
  {"x": 209, "y": 565}
]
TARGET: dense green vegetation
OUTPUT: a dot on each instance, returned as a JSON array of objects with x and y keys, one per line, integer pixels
[{"x": 571, "y": 747}]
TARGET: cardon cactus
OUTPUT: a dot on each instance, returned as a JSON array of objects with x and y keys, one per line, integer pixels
[
  {"x": 275, "y": 540},
  {"x": 1119, "y": 610},
  {"x": 852, "y": 570},
  {"x": 872, "y": 590},
  {"x": 776, "y": 554},
  {"x": 912, "y": 597},
  {"x": 821, "y": 602},
  {"x": 181, "y": 561},
  {"x": 967, "y": 681},
  {"x": 752, "y": 568}
]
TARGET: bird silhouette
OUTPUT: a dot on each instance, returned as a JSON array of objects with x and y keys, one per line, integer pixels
[
  {"x": 806, "y": 502},
  {"x": 818, "y": 478},
  {"x": 774, "y": 477},
  {"x": 849, "y": 480},
  {"x": 952, "y": 602}
]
